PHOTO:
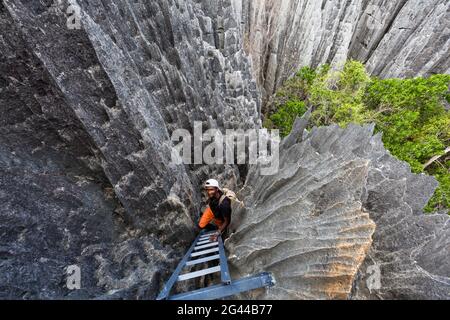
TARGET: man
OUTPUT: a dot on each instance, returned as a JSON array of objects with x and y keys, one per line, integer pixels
[{"x": 217, "y": 212}]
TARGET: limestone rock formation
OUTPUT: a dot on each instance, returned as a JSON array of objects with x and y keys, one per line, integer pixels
[
  {"x": 86, "y": 177},
  {"x": 85, "y": 149},
  {"x": 401, "y": 38},
  {"x": 342, "y": 219}
]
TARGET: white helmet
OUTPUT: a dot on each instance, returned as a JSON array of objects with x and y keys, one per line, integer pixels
[{"x": 212, "y": 183}]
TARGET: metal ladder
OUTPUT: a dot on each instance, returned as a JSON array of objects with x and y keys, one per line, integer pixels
[{"x": 203, "y": 250}]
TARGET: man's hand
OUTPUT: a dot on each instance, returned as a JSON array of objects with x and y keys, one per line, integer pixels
[{"x": 214, "y": 237}]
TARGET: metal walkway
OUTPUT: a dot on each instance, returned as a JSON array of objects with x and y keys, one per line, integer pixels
[{"x": 203, "y": 250}]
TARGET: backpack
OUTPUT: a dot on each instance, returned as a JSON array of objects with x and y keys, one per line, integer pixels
[{"x": 230, "y": 194}]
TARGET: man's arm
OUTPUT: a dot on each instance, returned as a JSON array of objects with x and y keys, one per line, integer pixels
[
  {"x": 225, "y": 210},
  {"x": 206, "y": 218}
]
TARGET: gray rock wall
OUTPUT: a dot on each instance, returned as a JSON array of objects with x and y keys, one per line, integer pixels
[
  {"x": 341, "y": 220},
  {"x": 85, "y": 146},
  {"x": 401, "y": 38},
  {"x": 85, "y": 152}
]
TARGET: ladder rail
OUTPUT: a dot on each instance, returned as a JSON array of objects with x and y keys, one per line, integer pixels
[
  {"x": 224, "y": 272},
  {"x": 173, "y": 279}
]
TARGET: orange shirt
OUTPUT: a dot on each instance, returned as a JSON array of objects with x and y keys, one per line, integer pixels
[{"x": 207, "y": 217}]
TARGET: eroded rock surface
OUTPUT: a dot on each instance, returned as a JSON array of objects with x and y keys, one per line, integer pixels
[
  {"x": 401, "y": 38},
  {"x": 85, "y": 147},
  {"x": 342, "y": 219}
]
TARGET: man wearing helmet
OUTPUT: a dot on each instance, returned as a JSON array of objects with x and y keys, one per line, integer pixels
[{"x": 217, "y": 215}]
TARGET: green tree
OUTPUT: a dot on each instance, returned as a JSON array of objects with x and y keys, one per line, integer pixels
[{"x": 409, "y": 112}]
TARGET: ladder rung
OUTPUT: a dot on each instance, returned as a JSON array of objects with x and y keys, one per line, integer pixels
[
  {"x": 205, "y": 259},
  {"x": 200, "y": 253},
  {"x": 202, "y": 242},
  {"x": 208, "y": 234},
  {"x": 212, "y": 244},
  {"x": 204, "y": 238},
  {"x": 199, "y": 273}
]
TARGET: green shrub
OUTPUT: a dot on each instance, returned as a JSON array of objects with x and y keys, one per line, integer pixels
[
  {"x": 285, "y": 116},
  {"x": 409, "y": 112}
]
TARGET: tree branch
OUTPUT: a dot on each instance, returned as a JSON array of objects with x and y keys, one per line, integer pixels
[{"x": 432, "y": 160}]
